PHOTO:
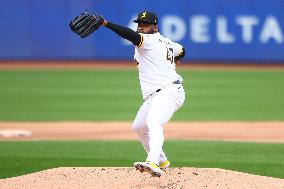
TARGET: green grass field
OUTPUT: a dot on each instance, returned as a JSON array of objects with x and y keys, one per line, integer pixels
[
  {"x": 97, "y": 95},
  {"x": 115, "y": 95},
  {"x": 18, "y": 158}
]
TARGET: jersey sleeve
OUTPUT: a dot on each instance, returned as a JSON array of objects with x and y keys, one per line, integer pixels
[
  {"x": 178, "y": 49},
  {"x": 146, "y": 42}
]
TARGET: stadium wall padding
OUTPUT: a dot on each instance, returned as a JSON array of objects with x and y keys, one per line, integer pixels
[{"x": 210, "y": 30}]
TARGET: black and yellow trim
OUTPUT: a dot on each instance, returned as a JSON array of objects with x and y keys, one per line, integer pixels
[
  {"x": 180, "y": 55},
  {"x": 141, "y": 41},
  {"x": 181, "y": 52}
]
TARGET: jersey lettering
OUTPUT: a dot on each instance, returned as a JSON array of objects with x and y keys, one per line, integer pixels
[{"x": 170, "y": 55}]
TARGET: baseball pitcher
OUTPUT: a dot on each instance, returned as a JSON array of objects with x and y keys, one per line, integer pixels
[{"x": 161, "y": 86}]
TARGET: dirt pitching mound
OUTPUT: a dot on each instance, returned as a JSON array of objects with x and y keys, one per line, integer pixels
[{"x": 123, "y": 178}]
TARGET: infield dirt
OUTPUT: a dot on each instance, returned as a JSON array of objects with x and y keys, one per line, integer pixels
[
  {"x": 230, "y": 131},
  {"x": 126, "y": 178}
]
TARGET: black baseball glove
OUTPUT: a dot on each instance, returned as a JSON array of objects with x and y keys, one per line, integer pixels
[{"x": 85, "y": 24}]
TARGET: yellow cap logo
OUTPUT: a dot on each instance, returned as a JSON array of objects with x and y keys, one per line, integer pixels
[{"x": 143, "y": 15}]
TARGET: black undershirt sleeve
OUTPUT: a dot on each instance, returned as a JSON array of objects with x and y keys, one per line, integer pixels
[{"x": 126, "y": 33}]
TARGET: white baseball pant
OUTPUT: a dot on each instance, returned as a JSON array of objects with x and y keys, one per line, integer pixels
[{"x": 154, "y": 113}]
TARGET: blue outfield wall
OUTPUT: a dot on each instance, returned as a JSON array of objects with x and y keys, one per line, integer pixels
[{"x": 210, "y": 30}]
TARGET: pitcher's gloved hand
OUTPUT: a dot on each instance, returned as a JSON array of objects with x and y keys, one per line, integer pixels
[{"x": 86, "y": 23}]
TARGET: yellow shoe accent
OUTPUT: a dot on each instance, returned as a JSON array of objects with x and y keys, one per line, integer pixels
[
  {"x": 153, "y": 165},
  {"x": 152, "y": 168},
  {"x": 165, "y": 164}
]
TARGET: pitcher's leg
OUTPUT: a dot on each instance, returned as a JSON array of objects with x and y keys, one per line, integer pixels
[
  {"x": 140, "y": 127},
  {"x": 160, "y": 112},
  {"x": 142, "y": 131},
  {"x": 163, "y": 157}
]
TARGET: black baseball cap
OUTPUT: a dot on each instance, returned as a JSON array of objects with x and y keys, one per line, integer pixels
[{"x": 148, "y": 17}]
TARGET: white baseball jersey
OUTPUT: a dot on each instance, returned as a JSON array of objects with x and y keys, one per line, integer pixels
[{"x": 155, "y": 58}]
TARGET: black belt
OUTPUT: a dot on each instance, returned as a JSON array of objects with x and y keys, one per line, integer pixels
[{"x": 175, "y": 82}]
